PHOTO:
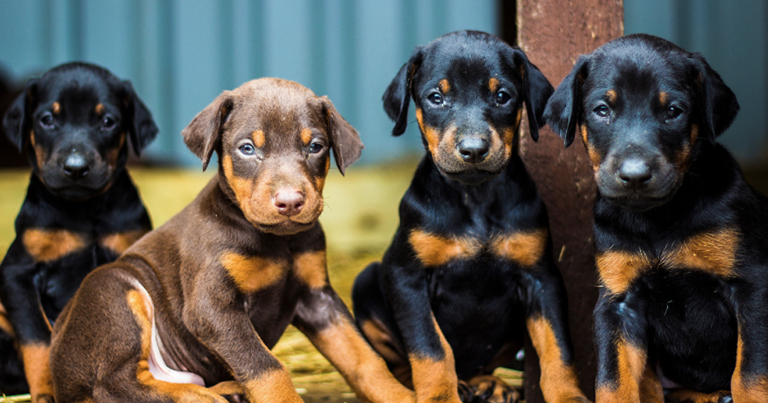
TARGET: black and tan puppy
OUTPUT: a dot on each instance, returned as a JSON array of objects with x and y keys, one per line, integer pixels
[
  {"x": 199, "y": 302},
  {"x": 470, "y": 267},
  {"x": 81, "y": 210},
  {"x": 682, "y": 240}
]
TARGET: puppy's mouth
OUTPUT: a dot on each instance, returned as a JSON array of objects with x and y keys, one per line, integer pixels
[
  {"x": 77, "y": 191},
  {"x": 286, "y": 227}
]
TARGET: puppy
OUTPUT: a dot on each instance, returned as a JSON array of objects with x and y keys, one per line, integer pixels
[
  {"x": 82, "y": 209},
  {"x": 189, "y": 313},
  {"x": 470, "y": 269},
  {"x": 680, "y": 236}
]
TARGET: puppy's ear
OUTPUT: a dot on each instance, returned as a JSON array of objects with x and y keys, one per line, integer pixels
[
  {"x": 718, "y": 105},
  {"x": 536, "y": 89},
  {"x": 345, "y": 141},
  {"x": 398, "y": 95},
  {"x": 563, "y": 109},
  {"x": 203, "y": 134},
  {"x": 142, "y": 127},
  {"x": 17, "y": 120}
]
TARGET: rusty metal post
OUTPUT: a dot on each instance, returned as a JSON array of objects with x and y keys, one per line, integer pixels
[{"x": 553, "y": 33}]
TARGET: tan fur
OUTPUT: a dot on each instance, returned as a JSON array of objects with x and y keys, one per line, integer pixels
[
  {"x": 120, "y": 241},
  {"x": 430, "y": 133},
  {"x": 39, "y": 151},
  {"x": 48, "y": 245},
  {"x": 435, "y": 250},
  {"x": 631, "y": 363},
  {"x": 691, "y": 396},
  {"x": 612, "y": 96},
  {"x": 56, "y": 108},
  {"x": 558, "y": 378},
  {"x": 252, "y": 273},
  {"x": 663, "y": 98},
  {"x": 747, "y": 389},
  {"x": 272, "y": 386},
  {"x": 259, "y": 138},
  {"x": 493, "y": 84},
  {"x": 5, "y": 324},
  {"x": 712, "y": 252},
  {"x": 363, "y": 369},
  {"x": 617, "y": 270},
  {"x": 99, "y": 109},
  {"x": 306, "y": 136},
  {"x": 435, "y": 380},
  {"x": 37, "y": 369},
  {"x": 311, "y": 268},
  {"x": 523, "y": 248}
]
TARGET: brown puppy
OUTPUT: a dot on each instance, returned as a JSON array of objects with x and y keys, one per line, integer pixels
[{"x": 200, "y": 301}]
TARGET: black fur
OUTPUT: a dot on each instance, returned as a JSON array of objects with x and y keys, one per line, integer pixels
[
  {"x": 98, "y": 202},
  {"x": 684, "y": 314}
]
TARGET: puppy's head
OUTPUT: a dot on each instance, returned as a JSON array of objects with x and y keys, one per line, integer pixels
[
  {"x": 645, "y": 110},
  {"x": 469, "y": 89},
  {"x": 274, "y": 138},
  {"x": 75, "y": 122}
]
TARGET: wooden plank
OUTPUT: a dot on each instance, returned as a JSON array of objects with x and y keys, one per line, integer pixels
[{"x": 554, "y": 33}]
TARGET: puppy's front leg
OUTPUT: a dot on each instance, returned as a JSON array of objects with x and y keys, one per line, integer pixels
[
  {"x": 223, "y": 327},
  {"x": 326, "y": 321}
]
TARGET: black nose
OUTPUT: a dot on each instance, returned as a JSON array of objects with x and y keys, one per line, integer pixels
[
  {"x": 635, "y": 173},
  {"x": 76, "y": 167},
  {"x": 473, "y": 149}
]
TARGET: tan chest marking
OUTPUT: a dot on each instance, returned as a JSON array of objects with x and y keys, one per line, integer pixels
[
  {"x": 523, "y": 248},
  {"x": 618, "y": 269},
  {"x": 120, "y": 241},
  {"x": 49, "y": 245},
  {"x": 311, "y": 268},
  {"x": 253, "y": 273},
  {"x": 710, "y": 252},
  {"x": 435, "y": 250}
]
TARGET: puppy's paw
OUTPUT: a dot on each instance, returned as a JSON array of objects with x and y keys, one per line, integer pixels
[
  {"x": 488, "y": 389},
  {"x": 44, "y": 398}
]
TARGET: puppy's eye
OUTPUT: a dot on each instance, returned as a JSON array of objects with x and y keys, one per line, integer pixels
[
  {"x": 108, "y": 122},
  {"x": 315, "y": 147},
  {"x": 435, "y": 98},
  {"x": 47, "y": 121},
  {"x": 602, "y": 111},
  {"x": 673, "y": 112},
  {"x": 247, "y": 149},
  {"x": 502, "y": 97}
]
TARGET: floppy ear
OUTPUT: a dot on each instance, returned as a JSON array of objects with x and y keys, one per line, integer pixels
[
  {"x": 142, "y": 128},
  {"x": 16, "y": 122},
  {"x": 398, "y": 95},
  {"x": 345, "y": 141},
  {"x": 563, "y": 109},
  {"x": 718, "y": 104},
  {"x": 536, "y": 89},
  {"x": 203, "y": 134}
]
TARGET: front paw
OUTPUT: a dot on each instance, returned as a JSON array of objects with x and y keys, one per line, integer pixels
[
  {"x": 487, "y": 389},
  {"x": 44, "y": 398}
]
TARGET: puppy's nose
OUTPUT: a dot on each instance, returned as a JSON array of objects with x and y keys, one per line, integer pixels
[
  {"x": 635, "y": 173},
  {"x": 289, "y": 202},
  {"x": 473, "y": 149},
  {"x": 76, "y": 167}
]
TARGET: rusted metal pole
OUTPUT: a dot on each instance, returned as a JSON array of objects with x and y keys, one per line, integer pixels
[{"x": 553, "y": 33}]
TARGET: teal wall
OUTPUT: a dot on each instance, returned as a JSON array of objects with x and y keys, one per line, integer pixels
[
  {"x": 180, "y": 54},
  {"x": 733, "y": 37}
]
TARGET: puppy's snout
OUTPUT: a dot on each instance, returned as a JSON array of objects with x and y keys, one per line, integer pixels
[
  {"x": 76, "y": 166},
  {"x": 473, "y": 149},
  {"x": 289, "y": 202},
  {"x": 635, "y": 173}
]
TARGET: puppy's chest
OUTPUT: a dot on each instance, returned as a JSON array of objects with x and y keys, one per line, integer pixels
[
  {"x": 49, "y": 245},
  {"x": 255, "y": 273},
  {"x": 435, "y": 248},
  {"x": 712, "y": 253}
]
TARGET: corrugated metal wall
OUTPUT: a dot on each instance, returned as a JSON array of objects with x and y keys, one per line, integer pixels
[{"x": 180, "y": 54}]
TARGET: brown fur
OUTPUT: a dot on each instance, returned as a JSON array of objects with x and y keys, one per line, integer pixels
[
  {"x": 225, "y": 277},
  {"x": 524, "y": 249},
  {"x": 435, "y": 250},
  {"x": 445, "y": 86},
  {"x": 632, "y": 362},
  {"x": 37, "y": 368},
  {"x": 617, "y": 270},
  {"x": 436, "y": 378},
  {"x": 121, "y": 241}
]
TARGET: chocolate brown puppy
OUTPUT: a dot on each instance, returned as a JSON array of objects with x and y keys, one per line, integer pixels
[{"x": 190, "y": 312}]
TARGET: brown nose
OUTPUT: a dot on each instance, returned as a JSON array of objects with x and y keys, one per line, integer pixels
[{"x": 289, "y": 202}]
